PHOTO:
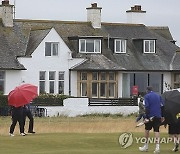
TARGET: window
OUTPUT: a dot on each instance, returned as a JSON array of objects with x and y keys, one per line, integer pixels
[
  {"x": 120, "y": 46},
  {"x": 51, "y": 48},
  {"x": 61, "y": 83},
  {"x": 149, "y": 46},
  {"x": 89, "y": 46},
  {"x": 98, "y": 84},
  {"x": 42, "y": 79},
  {"x": 2, "y": 81},
  {"x": 176, "y": 80},
  {"x": 83, "y": 84},
  {"x": 51, "y": 82}
]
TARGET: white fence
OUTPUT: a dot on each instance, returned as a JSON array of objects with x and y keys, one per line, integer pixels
[{"x": 79, "y": 106}]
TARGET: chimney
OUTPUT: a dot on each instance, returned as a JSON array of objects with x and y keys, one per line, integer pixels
[
  {"x": 135, "y": 15},
  {"x": 6, "y": 13},
  {"x": 94, "y": 15}
]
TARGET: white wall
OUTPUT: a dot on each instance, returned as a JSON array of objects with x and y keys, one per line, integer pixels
[
  {"x": 40, "y": 62},
  {"x": 79, "y": 106},
  {"x": 12, "y": 79}
]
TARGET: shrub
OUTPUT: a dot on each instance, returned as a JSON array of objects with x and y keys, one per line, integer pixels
[
  {"x": 49, "y": 100},
  {"x": 3, "y": 100}
]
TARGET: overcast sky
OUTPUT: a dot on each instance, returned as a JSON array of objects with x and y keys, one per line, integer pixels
[{"x": 158, "y": 12}]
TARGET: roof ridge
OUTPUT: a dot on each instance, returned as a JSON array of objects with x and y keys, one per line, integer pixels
[{"x": 51, "y": 21}]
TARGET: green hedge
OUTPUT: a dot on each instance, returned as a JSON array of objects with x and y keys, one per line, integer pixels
[
  {"x": 41, "y": 100},
  {"x": 3, "y": 100}
]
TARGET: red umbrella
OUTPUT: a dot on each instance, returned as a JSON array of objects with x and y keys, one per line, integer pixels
[{"x": 22, "y": 95}]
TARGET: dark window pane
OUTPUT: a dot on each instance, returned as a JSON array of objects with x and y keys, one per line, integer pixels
[
  {"x": 82, "y": 45},
  {"x": 103, "y": 89},
  {"x": 42, "y": 76},
  {"x": 47, "y": 49},
  {"x": 117, "y": 45},
  {"x": 83, "y": 76},
  {"x": 55, "y": 49},
  {"x": 97, "y": 45},
  {"x": 111, "y": 89},
  {"x": 155, "y": 82},
  {"x": 61, "y": 87},
  {"x": 94, "y": 75},
  {"x": 42, "y": 86},
  {"x": 61, "y": 75},
  {"x": 51, "y": 75},
  {"x": 83, "y": 89},
  {"x": 141, "y": 80},
  {"x": 103, "y": 76},
  {"x": 51, "y": 87},
  {"x": 90, "y": 45},
  {"x": 111, "y": 76},
  {"x": 94, "y": 89}
]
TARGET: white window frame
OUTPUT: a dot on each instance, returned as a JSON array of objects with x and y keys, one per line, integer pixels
[
  {"x": 122, "y": 48},
  {"x": 51, "y": 52},
  {"x": 94, "y": 40},
  {"x": 149, "y": 46}
]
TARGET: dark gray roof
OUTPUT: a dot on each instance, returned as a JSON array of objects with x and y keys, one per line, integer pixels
[
  {"x": 36, "y": 37},
  {"x": 26, "y": 35},
  {"x": 135, "y": 59},
  {"x": 12, "y": 43},
  {"x": 97, "y": 62}
]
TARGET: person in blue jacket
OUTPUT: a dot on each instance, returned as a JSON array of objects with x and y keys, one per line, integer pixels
[{"x": 154, "y": 108}]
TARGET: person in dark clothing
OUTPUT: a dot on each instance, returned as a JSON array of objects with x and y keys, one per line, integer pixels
[
  {"x": 17, "y": 116},
  {"x": 153, "y": 108},
  {"x": 27, "y": 113},
  {"x": 174, "y": 132}
]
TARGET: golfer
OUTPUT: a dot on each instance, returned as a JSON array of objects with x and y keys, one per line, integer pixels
[
  {"x": 17, "y": 116},
  {"x": 27, "y": 113},
  {"x": 153, "y": 107}
]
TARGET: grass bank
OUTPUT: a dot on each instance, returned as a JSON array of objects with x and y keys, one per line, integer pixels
[
  {"x": 92, "y": 134},
  {"x": 85, "y": 124}
]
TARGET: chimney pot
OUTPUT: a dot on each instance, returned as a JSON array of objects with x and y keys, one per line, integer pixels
[
  {"x": 5, "y": 2},
  {"x": 94, "y": 5},
  {"x": 135, "y": 14},
  {"x": 94, "y": 15}
]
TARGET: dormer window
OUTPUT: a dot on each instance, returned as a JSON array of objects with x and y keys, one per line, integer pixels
[
  {"x": 51, "y": 48},
  {"x": 149, "y": 46},
  {"x": 90, "y": 46},
  {"x": 120, "y": 46}
]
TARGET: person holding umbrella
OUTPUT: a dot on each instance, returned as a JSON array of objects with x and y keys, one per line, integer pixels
[
  {"x": 174, "y": 131},
  {"x": 172, "y": 115},
  {"x": 27, "y": 113},
  {"x": 153, "y": 106},
  {"x": 17, "y": 98},
  {"x": 17, "y": 116}
]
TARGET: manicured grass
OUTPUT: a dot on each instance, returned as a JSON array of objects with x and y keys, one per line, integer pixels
[
  {"x": 79, "y": 135},
  {"x": 72, "y": 143}
]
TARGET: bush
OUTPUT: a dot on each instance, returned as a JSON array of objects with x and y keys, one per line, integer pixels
[
  {"x": 49, "y": 100},
  {"x": 3, "y": 100}
]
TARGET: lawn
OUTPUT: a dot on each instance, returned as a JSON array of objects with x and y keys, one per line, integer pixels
[{"x": 81, "y": 135}]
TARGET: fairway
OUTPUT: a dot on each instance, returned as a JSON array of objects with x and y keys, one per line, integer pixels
[
  {"x": 81, "y": 135},
  {"x": 75, "y": 143}
]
